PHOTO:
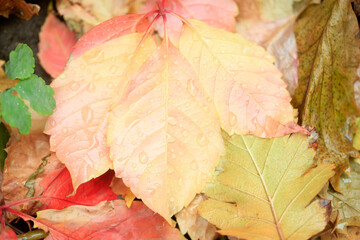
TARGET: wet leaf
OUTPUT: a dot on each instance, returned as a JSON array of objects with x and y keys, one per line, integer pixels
[
  {"x": 329, "y": 55},
  {"x": 347, "y": 202},
  {"x": 260, "y": 106},
  {"x": 18, "y": 7},
  {"x": 21, "y": 63},
  {"x": 262, "y": 189},
  {"x": 56, "y": 42},
  {"x": 107, "y": 220}
]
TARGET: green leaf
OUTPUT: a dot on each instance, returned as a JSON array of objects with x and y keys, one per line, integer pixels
[
  {"x": 4, "y": 138},
  {"x": 264, "y": 189},
  {"x": 21, "y": 63},
  {"x": 328, "y": 57},
  {"x": 38, "y": 94},
  {"x": 15, "y": 112}
]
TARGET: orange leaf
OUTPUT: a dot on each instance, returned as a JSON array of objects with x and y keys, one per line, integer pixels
[
  {"x": 107, "y": 220},
  {"x": 18, "y": 7},
  {"x": 55, "y": 46}
]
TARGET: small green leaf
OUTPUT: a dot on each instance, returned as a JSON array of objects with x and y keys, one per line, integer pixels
[
  {"x": 21, "y": 63},
  {"x": 38, "y": 94},
  {"x": 15, "y": 112},
  {"x": 4, "y": 138}
]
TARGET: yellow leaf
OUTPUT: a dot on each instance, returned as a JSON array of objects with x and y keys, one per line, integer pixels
[
  {"x": 263, "y": 189},
  {"x": 239, "y": 77},
  {"x": 84, "y": 94},
  {"x": 164, "y": 136}
]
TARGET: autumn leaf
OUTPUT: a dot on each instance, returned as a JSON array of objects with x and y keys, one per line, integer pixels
[
  {"x": 24, "y": 158},
  {"x": 260, "y": 106},
  {"x": 82, "y": 15},
  {"x": 119, "y": 188},
  {"x": 262, "y": 189},
  {"x": 56, "y": 42},
  {"x": 328, "y": 55},
  {"x": 191, "y": 222},
  {"x": 347, "y": 202},
  {"x": 8, "y": 234},
  {"x": 18, "y": 7},
  {"x": 352, "y": 234},
  {"x": 107, "y": 220},
  {"x": 58, "y": 185}
]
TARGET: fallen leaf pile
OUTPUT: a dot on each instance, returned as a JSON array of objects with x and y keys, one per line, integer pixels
[{"x": 205, "y": 118}]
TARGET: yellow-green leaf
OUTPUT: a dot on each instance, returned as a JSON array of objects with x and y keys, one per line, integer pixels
[
  {"x": 328, "y": 57},
  {"x": 263, "y": 189}
]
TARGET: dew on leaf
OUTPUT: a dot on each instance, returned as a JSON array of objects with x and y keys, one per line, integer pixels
[
  {"x": 87, "y": 114},
  {"x": 143, "y": 157},
  {"x": 191, "y": 88},
  {"x": 233, "y": 119},
  {"x": 202, "y": 140},
  {"x": 91, "y": 87},
  {"x": 75, "y": 86},
  {"x": 172, "y": 121}
]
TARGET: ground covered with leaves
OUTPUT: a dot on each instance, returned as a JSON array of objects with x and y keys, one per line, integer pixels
[{"x": 181, "y": 119}]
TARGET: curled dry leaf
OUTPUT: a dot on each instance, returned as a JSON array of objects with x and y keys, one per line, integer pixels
[
  {"x": 24, "y": 158},
  {"x": 268, "y": 196},
  {"x": 192, "y": 223},
  {"x": 82, "y": 15},
  {"x": 107, "y": 220},
  {"x": 18, "y": 7},
  {"x": 347, "y": 202},
  {"x": 329, "y": 54},
  {"x": 353, "y": 233},
  {"x": 56, "y": 42}
]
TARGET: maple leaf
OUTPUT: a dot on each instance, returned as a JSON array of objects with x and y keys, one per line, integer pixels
[
  {"x": 260, "y": 106},
  {"x": 329, "y": 55},
  {"x": 56, "y": 42},
  {"x": 347, "y": 202},
  {"x": 107, "y": 220},
  {"x": 156, "y": 113},
  {"x": 191, "y": 222},
  {"x": 263, "y": 188},
  {"x": 58, "y": 185},
  {"x": 18, "y": 7},
  {"x": 24, "y": 158}
]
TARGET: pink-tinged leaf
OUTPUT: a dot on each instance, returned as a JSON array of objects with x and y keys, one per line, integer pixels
[
  {"x": 84, "y": 93},
  {"x": 108, "y": 30},
  {"x": 107, "y": 220},
  {"x": 55, "y": 45},
  {"x": 240, "y": 78},
  {"x": 164, "y": 135},
  {"x": 8, "y": 234},
  {"x": 58, "y": 185}
]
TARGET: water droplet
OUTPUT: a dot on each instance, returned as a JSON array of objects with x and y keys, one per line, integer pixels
[
  {"x": 172, "y": 199},
  {"x": 65, "y": 130},
  {"x": 75, "y": 86},
  {"x": 52, "y": 123},
  {"x": 91, "y": 87},
  {"x": 170, "y": 138},
  {"x": 202, "y": 140},
  {"x": 173, "y": 155},
  {"x": 143, "y": 157},
  {"x": 87, "y": 114},
  {"x": 211, "y": 133},
  {"x": 206, "y": 108},
  {"x": 259, "y": 87},
  {"x": 175, "y": 62},
  {"x": 185, "y": 133},
  {"x": 172, "y": 120},
  {"x": 133, "y": 165},
  {"x": 140, "y": 134},
  {"x": 191, "y": 88},
  {"x": 172, "y": 150},
  {"x": 82, "y": 66},
  {"x": 232, "y": 119}
]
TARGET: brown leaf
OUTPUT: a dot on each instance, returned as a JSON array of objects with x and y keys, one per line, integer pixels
[
  {"x": 192, "y": 223},
  {"x": 18, "y": 7},
  {"x": 328, "y": 57},
  {"x": 24, "y": 158},
  {"x": 353, "y": 234}
]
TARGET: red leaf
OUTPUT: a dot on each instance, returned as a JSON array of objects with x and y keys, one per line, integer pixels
[
  {"x": 58, "y": 184},
  {"x": 107, "y": 220},
  {"x": 55, "y": 46},
  {"x": 8, "y": 234},
  {"x": 108, "y": 30}
]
